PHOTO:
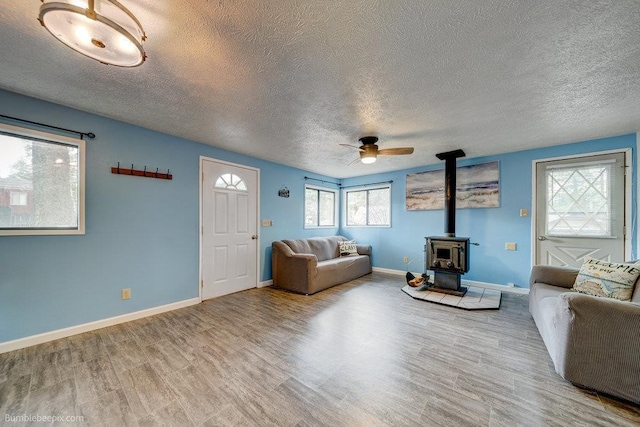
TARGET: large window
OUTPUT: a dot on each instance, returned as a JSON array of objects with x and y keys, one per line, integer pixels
[
  {"x": 320, "y": 207},
  {"x": 368, "y": 207},
  {"x": 41, "y": 183}
]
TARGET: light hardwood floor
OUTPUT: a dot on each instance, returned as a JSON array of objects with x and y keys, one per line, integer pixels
[{"x": 360, "y": 354}]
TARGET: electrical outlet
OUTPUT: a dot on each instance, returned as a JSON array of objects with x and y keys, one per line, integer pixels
[
  {"x": 509, "y": 246},
  {"x": 126, "y": 293},
  {"x": 405, "y": 259}
]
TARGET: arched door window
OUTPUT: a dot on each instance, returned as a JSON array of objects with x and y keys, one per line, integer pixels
[{"x": 231, "y": 181}]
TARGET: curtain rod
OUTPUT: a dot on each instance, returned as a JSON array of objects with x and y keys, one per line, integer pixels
[
  {"x": 366, "y": 185},
  {"x": 89, "y": 135},
  {"x": 347, "y": 186},
  {"x": 321, "y": 180}
]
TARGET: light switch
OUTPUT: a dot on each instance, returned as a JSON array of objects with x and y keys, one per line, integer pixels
[
  {"x": 510, "y": 246},
  {"x": 524, "y": 212},
  {"x": 267, "y": 223}
]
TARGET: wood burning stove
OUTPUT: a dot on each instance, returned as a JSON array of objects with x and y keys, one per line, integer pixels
[{"x": 448, "y": 255}]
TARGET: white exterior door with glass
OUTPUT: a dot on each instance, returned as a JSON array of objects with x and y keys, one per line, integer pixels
[
  {"x": 580, "y": 210},
  {"x": 229, "y": 238}
]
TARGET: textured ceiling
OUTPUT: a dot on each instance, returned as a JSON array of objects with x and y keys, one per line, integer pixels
[{"x": 290, "y": 80}]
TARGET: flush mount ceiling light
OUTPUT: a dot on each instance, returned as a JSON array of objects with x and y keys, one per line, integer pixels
[
  {"x": 103, "y": 30},
  {"x": 368, "y": 156}
]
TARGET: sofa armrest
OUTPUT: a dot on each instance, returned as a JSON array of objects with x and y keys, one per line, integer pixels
[
  {"x": 563, "y": 277},
  {"x": 597, "y": 344},
  {"x": 363, "y": 249},
  {"x": 291, "y": 270}
]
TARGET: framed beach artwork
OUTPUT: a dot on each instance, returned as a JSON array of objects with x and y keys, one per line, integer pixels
[{"x": 477, "y": 186}]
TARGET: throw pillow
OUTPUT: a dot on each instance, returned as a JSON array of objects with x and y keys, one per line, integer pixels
[
  {"x": 607, "y": 279},
  {"x": 348, "y": 248}
]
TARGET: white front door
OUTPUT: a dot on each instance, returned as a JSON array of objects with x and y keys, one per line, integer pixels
[
  {"x": 229, "y": 245},
  {"x": 580, "y": 210}
]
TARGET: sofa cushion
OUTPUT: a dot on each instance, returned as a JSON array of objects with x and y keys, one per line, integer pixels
[
  {"x": 636, "y": 294},
  {"x": 544, "y": 290},
  {"x": 607, "y": 279},
  {"x": 340, "y": 270},
  {"x": 348, "y": 248},
  {"x": 323, "y": 248},
  {"x": 543, "y": 298}
]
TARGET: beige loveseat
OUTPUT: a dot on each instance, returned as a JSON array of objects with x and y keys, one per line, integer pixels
[
  {"x": 594, "y": 342},
  {"x": 310, "y": 265}
]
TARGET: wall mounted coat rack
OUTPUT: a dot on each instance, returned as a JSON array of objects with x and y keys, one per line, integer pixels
[{"x": 144, "y": 173}]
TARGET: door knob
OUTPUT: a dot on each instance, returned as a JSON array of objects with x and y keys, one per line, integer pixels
[
  {"x": 254, "y": 237},
  {"x": 541, "y": 238}
]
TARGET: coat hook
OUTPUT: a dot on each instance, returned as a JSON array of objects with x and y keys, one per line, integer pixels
[
  {"x": 157, "y": 172},
  {"x": 168, "y": 170},
  {"x": 118, "y": 168},
  {"x": 131, "y": 168},
  {"x": 144, "y": 173}
]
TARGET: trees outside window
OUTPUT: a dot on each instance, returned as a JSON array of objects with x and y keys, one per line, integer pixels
[
  {"x": 320, "y": 207},
  {"x": 368, "y": 207}
]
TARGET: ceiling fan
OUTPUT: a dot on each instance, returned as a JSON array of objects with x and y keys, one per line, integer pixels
[{"x": 369, "y": 149}]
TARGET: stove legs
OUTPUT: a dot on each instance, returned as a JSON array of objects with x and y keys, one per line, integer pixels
[{"x": 448, "y": 283}]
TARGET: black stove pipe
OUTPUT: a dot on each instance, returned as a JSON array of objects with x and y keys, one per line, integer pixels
[{"x": 450, "y": 190}]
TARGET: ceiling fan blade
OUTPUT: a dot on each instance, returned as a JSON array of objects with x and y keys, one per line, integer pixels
[
  {"x": 396, "y": 151},
  {"x": 352, "y": 146},
  {"x": 354, "y": 162}
]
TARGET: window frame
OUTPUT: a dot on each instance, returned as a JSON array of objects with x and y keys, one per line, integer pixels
[
  {"x": 336, "y": 201},
  {"x": 578, "y": 167},
  {"x": 345, "y": 197},
  {"x": 55, "y": 139},
  {"x": 20, "y": 195}
]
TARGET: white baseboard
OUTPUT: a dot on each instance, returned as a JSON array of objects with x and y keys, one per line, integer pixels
[
  {"x": 265, "y": 283},
  {"x": 92, "y": 326},
  {"x": 503, "y": 288},
  {"x": 389, "y": 271}
]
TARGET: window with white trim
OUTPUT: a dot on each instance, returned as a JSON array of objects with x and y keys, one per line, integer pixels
[
  {"x": 18, "y": 198},
  {"x": 41, "y": 183},
  {"x": 320, "y": 207},
  {"x": 368, "y": 207}
]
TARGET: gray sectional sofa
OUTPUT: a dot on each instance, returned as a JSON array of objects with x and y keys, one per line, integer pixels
[
  {"x": 594, "y": 342},
  {"x": 310, "y": 265}
]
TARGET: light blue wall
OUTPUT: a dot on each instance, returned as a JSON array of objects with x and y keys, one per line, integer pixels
[
  {"x": 140, "y": 233},
  {"x": 287, "y": 213},
  {"x": 492, "y": 227},
  {"x": 143, "y": 233}
]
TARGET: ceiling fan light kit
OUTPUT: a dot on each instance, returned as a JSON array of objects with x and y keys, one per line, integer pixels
[
  {"x": 369, "y": 150},
  {"x": 103, "y": 30},
  {"x": 367, "y": 158}
]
